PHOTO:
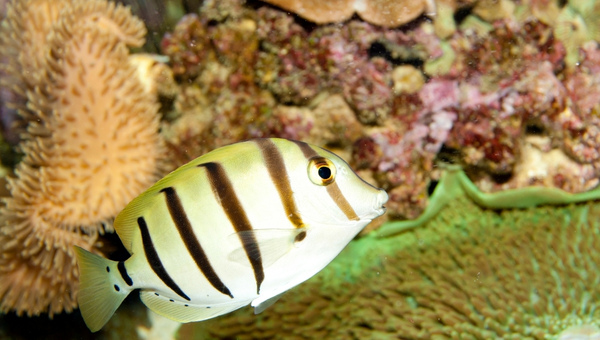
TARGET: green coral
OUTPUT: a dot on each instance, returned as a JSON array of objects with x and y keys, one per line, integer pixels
[
  {"x": 467, "y": 273},
  {"x": 443, "y": 64},
  {"x": 454, "y": 183},
  {"x": 577, "y": 23}
]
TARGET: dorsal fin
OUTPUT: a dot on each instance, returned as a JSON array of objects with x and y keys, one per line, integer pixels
[{"x": 126, "y": 222}]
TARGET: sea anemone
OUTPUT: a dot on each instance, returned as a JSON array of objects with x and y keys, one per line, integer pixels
[
  {"x": 92, "y": 146},
  {"x": 24, "y": 42}
]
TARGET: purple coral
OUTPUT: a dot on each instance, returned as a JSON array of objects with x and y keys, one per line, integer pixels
[{"x": 497, "y": 87}]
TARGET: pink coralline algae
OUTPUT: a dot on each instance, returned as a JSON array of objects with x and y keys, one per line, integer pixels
[
  {"x": 402, "y": 154},
  {"x": 367, "y": 89},
  {"x": 581, "y": 121},
  {"x": 439, "y": 94},
  {"x": 188, "y": 47},
  {"x": 291, "y": 64},
  {"x": 485, "y": 131},
  {"x": 404, "y": 169},
  {"x": 513, "y": 84},
  {"x": 296, "y": 65},
  {"x": 480, "y": 108},
  {"x": 500, "y": 89},
  {"x": 506, "y": 82}
]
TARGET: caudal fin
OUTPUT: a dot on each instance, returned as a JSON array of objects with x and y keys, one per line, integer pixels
[{"x": 101, "y": 289}]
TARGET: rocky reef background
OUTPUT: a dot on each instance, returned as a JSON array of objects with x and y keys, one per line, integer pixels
[{"x": 507, "y": 90}]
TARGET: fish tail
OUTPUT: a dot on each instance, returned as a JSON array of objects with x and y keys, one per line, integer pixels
[{"x": 101, "y": 289}]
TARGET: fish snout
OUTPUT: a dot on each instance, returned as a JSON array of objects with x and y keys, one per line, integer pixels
[{"x": 380, "y": 200}]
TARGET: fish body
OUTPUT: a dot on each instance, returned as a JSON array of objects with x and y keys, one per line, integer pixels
[{"x": 240, "y": 225}]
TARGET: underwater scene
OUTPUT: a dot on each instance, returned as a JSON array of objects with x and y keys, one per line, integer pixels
[{"x": 300, "y": 169}]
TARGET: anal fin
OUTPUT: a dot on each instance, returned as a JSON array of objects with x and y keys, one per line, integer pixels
[
  {"x": 260, "y": 305},
  {"x": 185, "y": 312}
]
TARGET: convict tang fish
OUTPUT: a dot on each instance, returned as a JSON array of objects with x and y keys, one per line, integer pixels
[{"x": 240, "y": 225}]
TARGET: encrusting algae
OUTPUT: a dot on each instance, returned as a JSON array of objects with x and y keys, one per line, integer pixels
[{"x": 91, "y": 143}]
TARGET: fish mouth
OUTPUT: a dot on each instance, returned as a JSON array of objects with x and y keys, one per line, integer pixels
[
  {"x": 379, "y": 207},
  {"x": 382, "y": 198},
  {"x": 376, "y": 212},
  {"x": 381, "y": 211}
]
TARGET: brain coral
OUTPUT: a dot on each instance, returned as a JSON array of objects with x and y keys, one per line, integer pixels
[{"x": 469, "y": 274}]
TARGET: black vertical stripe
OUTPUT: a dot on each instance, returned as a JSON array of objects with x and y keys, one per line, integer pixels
[
  {"x": 154, "y": 260},
  {"x": 306, "y": 149},
  {"x": 278, "y": 173},
  {"x": 191, "y": 241},
  {"x": 332, "y": 189},
  {"x": 228, "y": 199},
  {"x": 124, "y": 275}
]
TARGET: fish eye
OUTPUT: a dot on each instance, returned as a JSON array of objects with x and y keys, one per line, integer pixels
[
  {"x": 324, "y": 172},
  {"x": 321, "y": 171}
]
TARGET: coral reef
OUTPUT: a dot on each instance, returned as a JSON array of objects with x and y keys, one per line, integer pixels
[
  {"x": 506, "y": 90},
  {"x": 378, "y": 12},
  {"x": 187, "y": 47},
  {"x": 220, "y": 102},
  {"x": 472, "y": 89},
  {"x": 454, "y": 184},
  {"x": 490, "y": 90},
  {"x": 91, "y": 143},
  {"x": 468, "y": 273},
  {"x": 575, "y": 25}
]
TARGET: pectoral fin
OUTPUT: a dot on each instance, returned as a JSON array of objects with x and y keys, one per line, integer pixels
[{"x": 268, "y": 245}]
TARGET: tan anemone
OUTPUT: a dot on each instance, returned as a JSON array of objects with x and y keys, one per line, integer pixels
[
  {"x": 388, "y": 13},
  {"x": 92, "y": 147},
  {"x": 24, "y": 41}
]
